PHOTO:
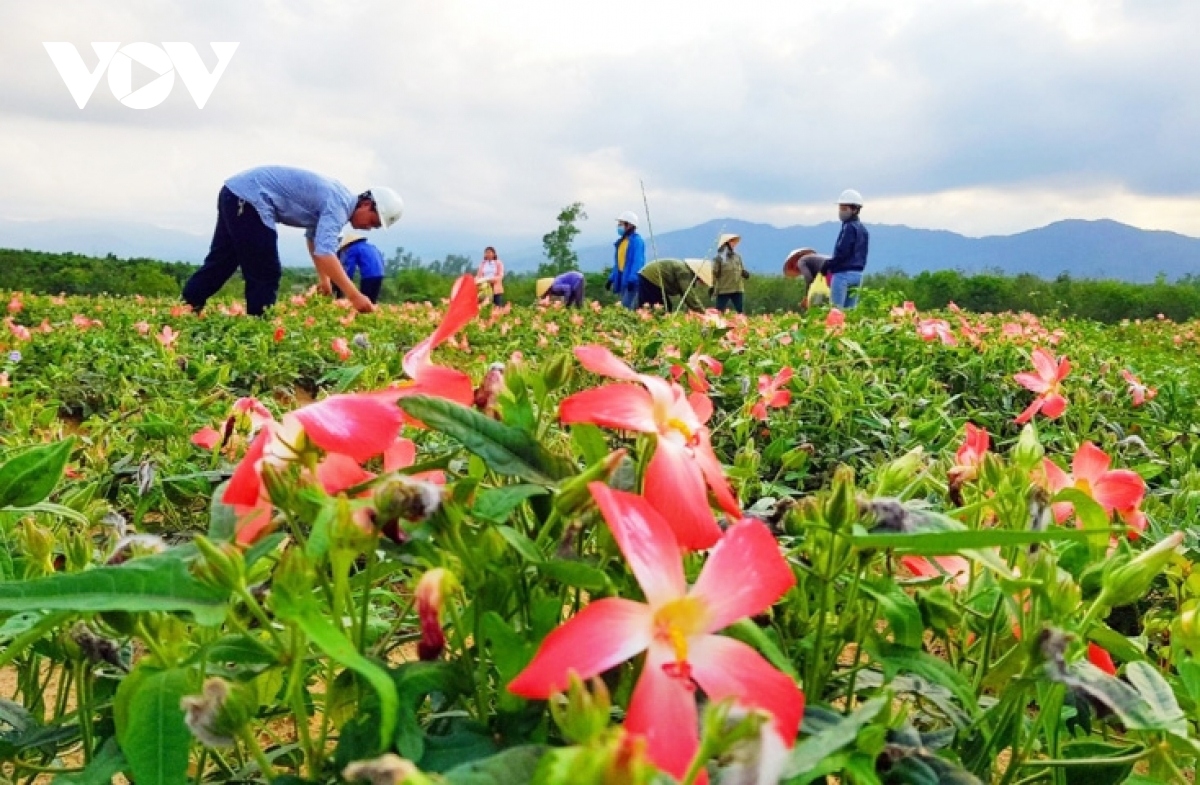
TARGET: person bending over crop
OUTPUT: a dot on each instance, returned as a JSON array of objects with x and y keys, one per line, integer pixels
[
  {"x": 669, "y": 282},
  {"x": 252, "y": 203},
  {"x": 356, "y": 253},
  {"x": 568, "y": 286}
]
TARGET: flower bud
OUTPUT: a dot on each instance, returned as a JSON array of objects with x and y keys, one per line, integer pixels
[
  {"x": 431, "y": 593},
  {"x": 223, "y": 565},
  {"x": 1185, "y": 628},
  {"x": 573, "y": 496},
  {"x": 37, "y": 543},
  {"x": 389, "y": 769},
  {"x": 488, "y": 392},
  {"x": 938, "y": 609},
  {"x": 559, "y": 371},
  {"x": 400, "y": 498},
  {"x": 899, "y": 473},
  {"x": 841, "y": 509},
  {"x": 581, "y": 715},
  {"x": 1126, "y": 582},
  {"x": 218, "y": 714},
  {"x": 1028, "y": 453}
]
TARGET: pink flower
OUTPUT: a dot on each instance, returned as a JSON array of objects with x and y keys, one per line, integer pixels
[
  {"x": 904, "y": 311},
  {"x": 1138, "y": 391},
  {"x": 956, "y": 567},
  {"x": 143, "y": 328},
  {"x": 772, "y": 394},
  {"x": 1118, "y": 491},
  {"x": 684, "y": 465},
  {"x": 167, "y": 337},
  {"x": 341, "y": 348},
  {"x": 744, "y": 575},
  {"x": 936, "y": 330},
  {"x": 354, "y": 427},
  {"x": 970, "y": 454},
  {"x": 20, "y": 332},
  {"x": 15, "y": 305},
  {"x": 1046, "y": 381},
  {"x": 206, "y": 438},
  {"x": 253, "y": 408},
  {"x": 698, "y": 367},
  {"x": 835, "y": 319}
]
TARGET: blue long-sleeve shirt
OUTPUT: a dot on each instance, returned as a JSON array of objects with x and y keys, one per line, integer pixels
[
  {"x": 364, "y": 257},
  {"x": 850, "y": 252},
  {"x": 295, "y": 197},
  {"x": 635, "y": 259},
  {"x": 569, "y": 286}
]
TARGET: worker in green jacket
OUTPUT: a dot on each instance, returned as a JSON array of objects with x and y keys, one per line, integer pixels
[
  {"x": 669, "y": 282},
  {"x": 729, "y": 275}
]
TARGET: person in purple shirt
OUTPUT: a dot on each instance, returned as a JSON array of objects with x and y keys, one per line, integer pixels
[
  {"x": 250, "y": 206},
  {"x": 568, "y": 286}
]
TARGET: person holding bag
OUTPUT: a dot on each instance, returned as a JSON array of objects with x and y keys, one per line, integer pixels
[{"x": 729, "y": 275}]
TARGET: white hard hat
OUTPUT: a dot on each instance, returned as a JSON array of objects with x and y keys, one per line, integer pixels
[
  {"x": 388, "y": 204},
  {"x": 850, "y": 196},
  {"x": 628, "y": 217}
]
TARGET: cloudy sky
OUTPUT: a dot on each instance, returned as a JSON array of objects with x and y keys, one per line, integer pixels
[{"x": 978, "y": 116}]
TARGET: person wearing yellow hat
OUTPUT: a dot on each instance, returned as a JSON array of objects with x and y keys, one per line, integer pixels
[
  {"x": 729, "y": 274},
  {"x": 357, "y": 254},
  {"x": 568, "y": 286},
  {"x": 672, "y": 283}
]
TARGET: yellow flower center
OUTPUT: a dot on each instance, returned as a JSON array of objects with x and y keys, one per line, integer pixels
[
  {"x": 1085, "y": 486},
  {"x": 679, "y": 426},
  {"x": 674, "y": 624}
]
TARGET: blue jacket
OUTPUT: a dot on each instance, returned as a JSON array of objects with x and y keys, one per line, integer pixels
[
  {"x": 365, "y": 257},
  {"x": 850, "y": 252},
  {"x": 635, "y": 259}
]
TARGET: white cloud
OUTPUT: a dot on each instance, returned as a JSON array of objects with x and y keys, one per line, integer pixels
[{"x": 982, "y": 117}]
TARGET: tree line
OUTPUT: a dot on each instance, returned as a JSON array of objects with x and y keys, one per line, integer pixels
[{"x": 411, "y": 279}]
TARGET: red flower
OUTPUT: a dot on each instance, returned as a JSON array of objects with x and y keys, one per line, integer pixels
[
  {"x": 279, "y": 333},
  {"x": 684, "y": 462},
  {"x": 206, "y": 438},
  {"x": 698, "y": 367},
  {"x": 970, "y": 454},
  {"x": 835, "y": 319},
  {"x": 1118, "y": 491},
  {"x": 773, "y": 396},
  {"x": 1101, "y": 659},
  {"x": 1046, "y": 382},
  {"x": 341, "y": 348},
  {"x": 744, "y": 575},
  {"x": 957, "y": 567}
]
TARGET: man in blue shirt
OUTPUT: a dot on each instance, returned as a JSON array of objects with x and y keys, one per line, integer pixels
[
  {"x": 356, "y": 253},
  {"x": 628, "y": 260},
  {"x": 250, "y": 206},
  {"x": 849, "y": 254}
]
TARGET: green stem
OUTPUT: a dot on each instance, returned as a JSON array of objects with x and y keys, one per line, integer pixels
[
  {"x": 986, "y": 657},
  {"x": 31, "y": 636},
  {"x": 83, "y": 704},
  {"x": 251, "y": 743},
  {"x": 1068, "y": 762},
  {"x": 296, "y": 696},
  {"x": 258, "y": 613},
  {"x": 461, "y": 640}
]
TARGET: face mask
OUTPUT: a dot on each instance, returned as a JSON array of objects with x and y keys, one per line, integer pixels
[
  {"x": 845, "y": 213},
  {"x": 620, "y": 230}
]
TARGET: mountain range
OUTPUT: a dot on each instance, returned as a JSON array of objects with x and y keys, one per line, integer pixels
[{"x": 1082, "y": 249}]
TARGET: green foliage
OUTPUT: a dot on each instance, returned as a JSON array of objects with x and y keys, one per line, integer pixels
[{"x": 560, "y": 256}]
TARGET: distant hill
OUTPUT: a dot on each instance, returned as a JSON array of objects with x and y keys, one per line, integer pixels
[{"x": 1083, "y": 249}]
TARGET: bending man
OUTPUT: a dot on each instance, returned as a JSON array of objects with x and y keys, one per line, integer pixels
[{"x": 251, "y": 204}]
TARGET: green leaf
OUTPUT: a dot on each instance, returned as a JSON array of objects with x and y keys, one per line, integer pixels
[
  {"x": 520, "y": 543},
  {"x": 334, "y": 643},
  {"x": 1157, "y": 693},
  {"x": 1115, "y": 643},
  {"x": 749, "y": 633},
  {"x": 1119, "y": 697},
  {"x": 808, "y": 754},
  {"x": 30, "y": 477},
  {"x": 896, "y": 659},
  {"x": 414, "y": 681},
  {"x": 589, "y": 442},
  {"x": 1087, "y": 510},
  {"x": 222, "y": 519},
  {"x": 901, "y": 611},
  {"x": 575, "y": 574},
  {"x": 160, "y": 583},
  {"x": 235, "y": 650},
  {"x": 944, "y": 543},
  {"x": 107, "y": 763},
  {"x": 511, "y": 767},
  {"x": 153, "y": 736},
  {"x": 497, "y": 504},
  {"x": 1096, "y": 772},
  {"x": 505, "y": 449},
  {"x": 466, "y": 742}
]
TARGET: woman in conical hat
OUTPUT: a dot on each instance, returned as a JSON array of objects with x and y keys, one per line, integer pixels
[{"x": 568, "y": 286}]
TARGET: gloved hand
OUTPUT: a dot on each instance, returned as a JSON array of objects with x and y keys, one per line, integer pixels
[
  {"x": 745, "y": 274},
  {"x": 608, "y": 285}
]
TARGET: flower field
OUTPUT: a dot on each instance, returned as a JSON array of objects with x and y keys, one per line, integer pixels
[{"x": 439, "y": 544}]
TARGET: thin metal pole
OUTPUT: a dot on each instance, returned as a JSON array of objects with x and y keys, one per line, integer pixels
[{"x": 649, "y": 225}]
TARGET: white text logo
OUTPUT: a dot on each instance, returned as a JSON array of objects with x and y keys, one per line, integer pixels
[{"x": 165, "y": 61}]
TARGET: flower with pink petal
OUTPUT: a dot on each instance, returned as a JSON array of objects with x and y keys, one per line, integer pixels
[
  {"x": 167, "y": 337},
  {"x": 744, "y": 575},
  {"x": 1046, "y": 381},
  {"x": 698, "y": 367},
  {"x": 143, "y": 328},
  {"x": 835, "y": 319},
  {"x": 206, "y": 438},
  {"x": 772, "y": 392},
  {"x": 970, "y": 454},
  {"x": 1118, "y": 491},
  {"x": 341, "y": 348},
  {"x": 1138, "y": 391},
  {"x": 936, "y": 330},
  {"x": 684, "y": 465}
]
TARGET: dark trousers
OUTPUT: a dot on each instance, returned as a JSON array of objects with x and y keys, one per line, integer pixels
[
  {"x": 368, "y": 286},
  {"x": 241, "y": 240},
  {"x": 734, "y": 300},
  {"x": 498, "y": 300},
  {"x": 649, "y": 294}
]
